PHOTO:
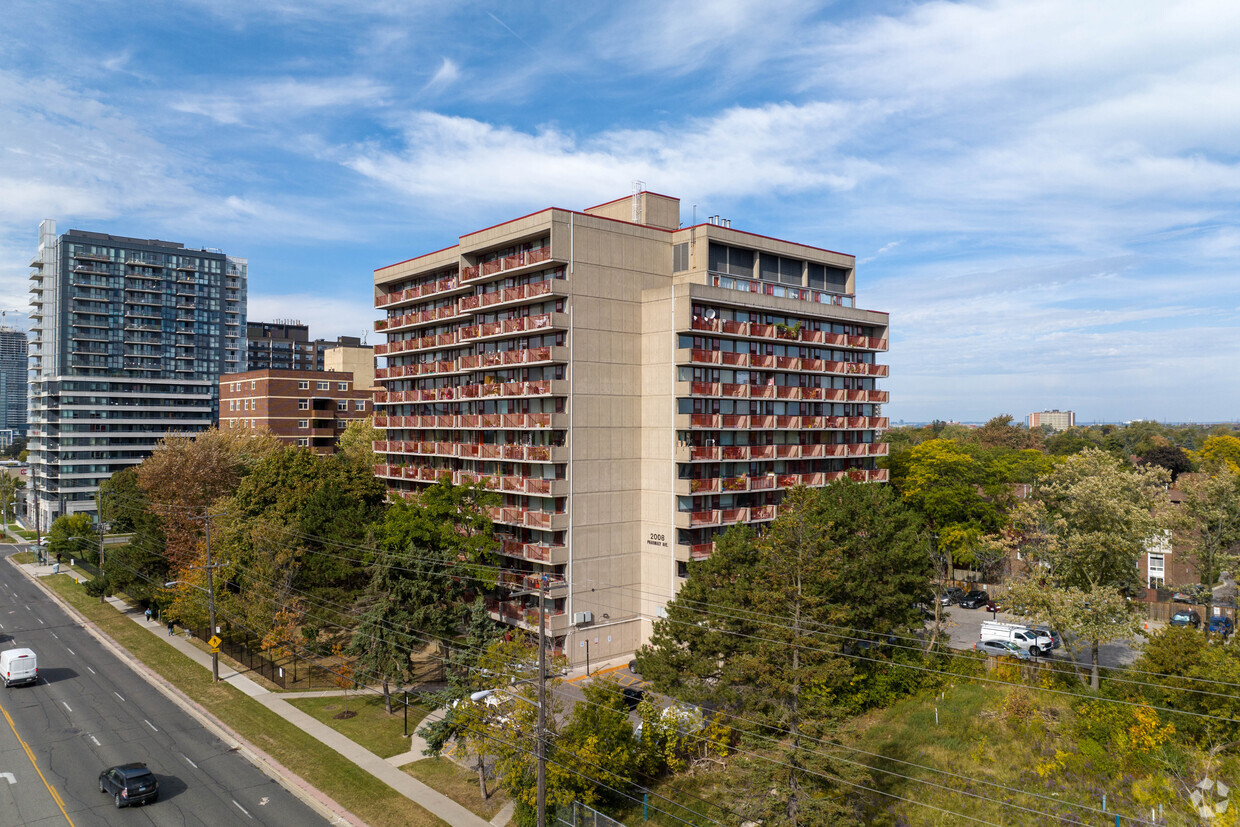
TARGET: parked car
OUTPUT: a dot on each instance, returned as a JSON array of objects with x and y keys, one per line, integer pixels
[
  {"x": 129, "y": 784},
  {"x": 951, "y": 595},
  {"x": 1056, "y": 638},
  {"x": 1221, "y": 624},
  {"x": 1190, "y": 594},
  {"x": 996, "y": 605},
  {"x": 1026, "y": 639},
  {"x": 632, "y": 697},
  {"x": 1186, "y": 617},
  {"x": 1001, "y": 648},
  {"x": 974, "y": 599},
  {"x": 926, "y": 612}
]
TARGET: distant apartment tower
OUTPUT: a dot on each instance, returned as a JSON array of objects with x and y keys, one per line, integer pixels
[
  {"x": 631, "y": 388},
  {"x": 130, "y": 339},
  {"x": 1056, "y": 420},
  {"x": 309, "y": 409},
  {"x": 286, "y": 345},
  {"x": 14, "y": 364}
]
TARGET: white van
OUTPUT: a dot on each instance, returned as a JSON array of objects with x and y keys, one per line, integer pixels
[
  {"x": 19, "y": 666},
  {"x": 1034, "y": 642}
]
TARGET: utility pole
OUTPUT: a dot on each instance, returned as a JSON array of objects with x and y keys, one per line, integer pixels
[
  {"x": 215, "y": 655},
  {"x": 102, "y": 527},
  {"x": 542, "y": 701}
]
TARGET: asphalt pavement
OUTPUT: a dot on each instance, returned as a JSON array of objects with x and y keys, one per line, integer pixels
[
  {"x": 91, "y": 710},
  {"x": 965, "y": 628}
]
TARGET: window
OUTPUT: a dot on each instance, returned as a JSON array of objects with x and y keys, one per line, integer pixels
[
  {"x": 303, "y": 423},
  {"x": 680, "y": 257},
  {"x": 342, "y": 405},
  {"x": 322, "y": 385},
  {"x": 303, "y": 385},
  {"x": 359, "y": 404},
  {"x": 1156, "y": 569},
  {"x": 342, "y": 386},
  {"x": 303, "y": 441},
  {"x": 731, "y": 260},
  {"x": 303, "y": 404}
]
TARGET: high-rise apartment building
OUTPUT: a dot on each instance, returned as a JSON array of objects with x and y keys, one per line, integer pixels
[
  {"x": 631, "y": 388},
  {"x": 13, "y": 368},
  {"x": 130, "y": 339},
  {"x": 1056, "y": 419}
]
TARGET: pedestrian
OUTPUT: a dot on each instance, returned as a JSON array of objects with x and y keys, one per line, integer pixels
[
  {"x": 169, "y": 628},
  {"x": 148, "y": 614}
]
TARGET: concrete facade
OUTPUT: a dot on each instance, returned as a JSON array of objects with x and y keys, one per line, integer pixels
[
  {"x": 631, "y": 388},
  {"x": 306, "y": 408},
  {"x": 1056, "y": 419}
]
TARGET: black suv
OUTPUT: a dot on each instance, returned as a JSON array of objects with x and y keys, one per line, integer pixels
[
  {"x": 974, "y": 599},
  {"x": 129, "y": 784}
]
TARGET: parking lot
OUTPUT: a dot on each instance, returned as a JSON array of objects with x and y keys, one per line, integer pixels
[{"x": 964, "y": 626}]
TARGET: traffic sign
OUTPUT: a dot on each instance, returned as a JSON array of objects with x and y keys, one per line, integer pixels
[{"x": 214, "y": 643}]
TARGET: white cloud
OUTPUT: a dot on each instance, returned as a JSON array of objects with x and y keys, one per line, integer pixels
[
  {"x": 276, "y": 100},
  {"x": 769, "y": 149},
  {"x": 447, "y": 74}
]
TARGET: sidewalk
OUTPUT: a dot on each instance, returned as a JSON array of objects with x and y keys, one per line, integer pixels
[{"x": 428, "y": 798}]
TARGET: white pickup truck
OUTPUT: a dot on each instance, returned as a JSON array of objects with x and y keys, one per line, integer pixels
[{"x": 1034, "y": 642}]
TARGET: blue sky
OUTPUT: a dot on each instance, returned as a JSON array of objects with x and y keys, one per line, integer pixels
[{"x": 1043, "y": 195}]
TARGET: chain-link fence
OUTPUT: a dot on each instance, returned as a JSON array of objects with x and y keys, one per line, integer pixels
[{"x": 582, "y": 815}]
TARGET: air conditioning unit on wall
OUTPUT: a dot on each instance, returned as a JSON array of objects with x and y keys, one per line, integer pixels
[{"x": 582, "y": 617}]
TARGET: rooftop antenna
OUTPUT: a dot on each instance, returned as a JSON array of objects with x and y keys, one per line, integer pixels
[{"x": 638, "y": 188}]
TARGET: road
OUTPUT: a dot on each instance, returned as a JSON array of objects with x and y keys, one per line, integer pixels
[
  {"x": 965, "y": 628},
  {"x": 90, "y": 711}
]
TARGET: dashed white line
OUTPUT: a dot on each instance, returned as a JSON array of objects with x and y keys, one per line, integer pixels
[
  {"x": 117, "y": 694},
  {"x": 40, "y": 620},
  {"x": 53, "y": 634},
  {"x": 243, "y": 809},
  {"x": 92, "y": 671},
  {"x": 191, "y": 763},
  {"x": 67, "y": 706},
  {"x": 96, "y": 740},
  {"x": 70, "y": 651},
  {"x": 148, "y": 723}
]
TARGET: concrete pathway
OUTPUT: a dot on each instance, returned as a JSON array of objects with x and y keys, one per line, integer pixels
[{"x": 413, "y": 789}]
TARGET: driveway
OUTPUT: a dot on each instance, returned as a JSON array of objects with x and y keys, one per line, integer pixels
[{"x": 965, "y": 628}]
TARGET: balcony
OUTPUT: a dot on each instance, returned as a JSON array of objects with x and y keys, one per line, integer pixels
[
  {"x": 555, "y": 555},
  {"x": 419, "y": 317},
  {"x": 779, "y": 290},
  {"x": 513, "y": 295},
  {"x": 557, "y": 387},
  {"x": 504, "y": 358},
  {"x": 506, "y": 264},
  {"x": 414, "y": 293},
  {"x": 511, "y": 327}
]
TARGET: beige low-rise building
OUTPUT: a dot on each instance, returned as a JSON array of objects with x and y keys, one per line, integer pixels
[{"x": 631, "y": 388}]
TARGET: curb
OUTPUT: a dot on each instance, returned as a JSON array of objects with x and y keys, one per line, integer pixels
[{"x": 313, "y": 798}]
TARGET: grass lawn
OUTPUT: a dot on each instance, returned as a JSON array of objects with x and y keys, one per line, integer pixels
[
  {"x": 371, "y": 726},
  {"x": 322, "y": 767},
  {"x": 459, "y": 784}
]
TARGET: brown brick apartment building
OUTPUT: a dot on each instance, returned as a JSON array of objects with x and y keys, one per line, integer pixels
[
  {"x": 631, "y": 388},
  {"x": 307, "y": 408}
]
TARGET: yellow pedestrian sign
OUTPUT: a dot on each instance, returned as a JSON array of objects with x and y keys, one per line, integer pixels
[{"x": 214, "y": 643}]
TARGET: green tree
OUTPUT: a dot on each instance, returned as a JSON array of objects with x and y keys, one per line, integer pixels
[
  {"x": 1171, "y": 457},
  {"x": 1084, "y": 532},
  {"x": 945, "y": 482},
  {"x": 999, "y": 432},
  {"x": 1209, "y": 523},
  {"x": 357, "y": 443},
  {"x": 9, "y": 486},
  {"x": 72, "y": 535},
  {"x": 432, "y": 554}
]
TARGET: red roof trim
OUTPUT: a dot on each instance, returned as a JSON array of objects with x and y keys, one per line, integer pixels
[
  {"x": 771, "y": 238},
  {"x": 509, "y": 221},
  {"x": 415, "y": 258}
]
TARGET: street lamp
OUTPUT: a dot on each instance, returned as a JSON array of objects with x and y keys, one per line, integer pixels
[{"x": 215, "y": 655}]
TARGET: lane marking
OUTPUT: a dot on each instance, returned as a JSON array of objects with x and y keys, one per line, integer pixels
[
  {"x": 67, "y": 706},
  {"x": 52, "y": 790},
  {"x": 191, "y": 763},
  {"x": 9, "y": 777},
  {"x": 40, "y": 620},
  {"x": 96, "y": 740},
  {"x": 243, "y": 809},
  {"x": 53, "y": 634},
  {"x": 148, "y": 723},
  {"x": 70, "y": 651},
  {"x": 92, "y": 671},
  {"x": 117, "y": 694}
]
